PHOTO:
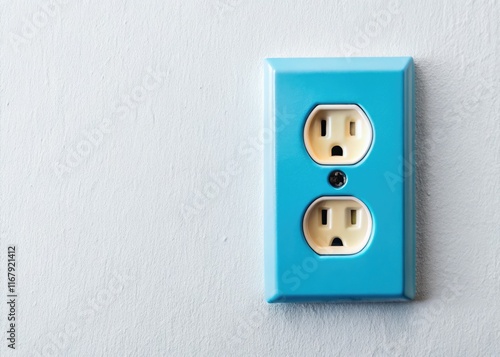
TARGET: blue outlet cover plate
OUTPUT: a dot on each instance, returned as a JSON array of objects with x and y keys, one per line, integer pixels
[{"x": 383, "y": 179}]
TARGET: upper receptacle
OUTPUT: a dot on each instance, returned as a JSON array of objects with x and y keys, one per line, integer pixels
[{"x": 337, "y": 134}]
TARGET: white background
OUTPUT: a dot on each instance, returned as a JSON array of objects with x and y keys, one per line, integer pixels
[{"x": 147, "y": 238}]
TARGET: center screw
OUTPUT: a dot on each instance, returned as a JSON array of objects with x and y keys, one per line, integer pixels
[{"x": 337, "y": 178}]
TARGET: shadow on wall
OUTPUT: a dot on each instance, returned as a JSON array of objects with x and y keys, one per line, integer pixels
[{"x": 422, "y": 200}]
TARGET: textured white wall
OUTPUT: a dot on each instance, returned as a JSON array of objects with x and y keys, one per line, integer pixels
[{"x": 131, "y": 176}]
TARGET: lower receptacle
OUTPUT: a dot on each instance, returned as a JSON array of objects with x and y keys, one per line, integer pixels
[{"x": 337, "y": 225}]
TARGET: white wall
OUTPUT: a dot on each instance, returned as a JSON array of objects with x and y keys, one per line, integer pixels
[{"x": 148, "y": 240}]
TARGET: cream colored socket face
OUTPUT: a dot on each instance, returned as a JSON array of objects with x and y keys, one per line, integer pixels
[
  {"x": 337, "y": 134},
  {"x": 337, "y": 225}
]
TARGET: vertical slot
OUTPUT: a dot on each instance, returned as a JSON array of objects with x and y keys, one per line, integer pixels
[
  {"x": 352, "y": 128},
  {"x": 324, "y": 217},
  {"x": 323, "y": 127},
  {"x": 354, "y": 216}
]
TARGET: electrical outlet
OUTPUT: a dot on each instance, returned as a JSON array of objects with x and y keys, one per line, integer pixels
[
  {"x": 337, "y": 225},
  {"x": 339, "y": 219},
  {"x": 337, "y": 134}
]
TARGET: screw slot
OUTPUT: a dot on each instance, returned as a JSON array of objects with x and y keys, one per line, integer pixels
[{"x": 337, "y": 178}]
